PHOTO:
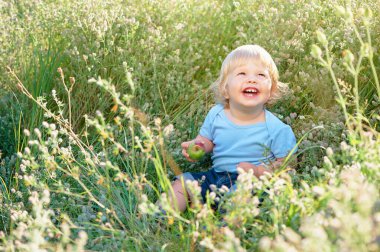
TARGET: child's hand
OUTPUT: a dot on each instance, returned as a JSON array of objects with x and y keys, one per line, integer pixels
[
  {"x": 185, "y": 146},
  {"x": 246, "y": 166},
  {"x": 206, "y": 144},
  {"x": 258, "y": 170}
]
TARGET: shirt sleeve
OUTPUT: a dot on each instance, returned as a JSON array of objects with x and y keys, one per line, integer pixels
[
  {"x": 284, "y": 142},
  {"x": 207, "y": 126}
]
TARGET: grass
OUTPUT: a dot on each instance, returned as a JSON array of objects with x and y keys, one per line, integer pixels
[{"x": 134, "y": 83}]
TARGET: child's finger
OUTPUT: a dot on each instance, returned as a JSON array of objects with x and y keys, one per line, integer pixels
[
  {"x": 184, "y": 152},
  {"x": 186, "y": 155},
  {"x": 190, "y": 160},
  {"x": 185, "y": 145}
]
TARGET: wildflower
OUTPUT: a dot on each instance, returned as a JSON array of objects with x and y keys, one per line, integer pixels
[
  {"x": 319, "y": 191},
  {"x": 240, "y": 170},
  {"x": 207, "y": 243},
  {"x": 329, "y": 152},
  {"x": 179, "y": 26},
  {"x": 52, "y": 126},
  {"x": 213, "y": 187},
  {"x": 157, "y": 121},
  {"x": 292, "y": 236},
  {"x": 37, "y": 132},
  {"x": 322, "y": 38},
  {"x": 236, "y": 4},
  {"x": 327, "y": 162},
  {"x": 212, "y": 195},
  {"x": 365, "y": 50},
  {"x": 265, "y": 243},
  {"x": 344, "y": 146},
  {"x": 168, "y": 130},
  {"x": 72, "y": 81},
  {"x": 316, "y": 52},
  {"x": 195, "y": 235},
  {"x": 27, "y": 151},
  {"x": 340, "y": 10},
  {"x": 26, "y": 132},
  {"x": 170, "y": 220},
  {"x": 224, "y": 189},
  {"x": 348, "y": 57}
]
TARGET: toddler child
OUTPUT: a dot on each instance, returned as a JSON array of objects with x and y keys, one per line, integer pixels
[{"x": 239, "y": 130}]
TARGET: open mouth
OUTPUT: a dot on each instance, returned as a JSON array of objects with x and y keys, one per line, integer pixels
[{"x": 250, "y": 91}]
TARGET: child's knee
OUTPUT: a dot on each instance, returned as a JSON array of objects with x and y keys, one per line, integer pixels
[
  {"x": 176, "y": 183},
  {"x": 178, "y": 186}
]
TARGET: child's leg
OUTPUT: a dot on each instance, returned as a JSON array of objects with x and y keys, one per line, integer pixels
[{"x": 180, "y": 197}]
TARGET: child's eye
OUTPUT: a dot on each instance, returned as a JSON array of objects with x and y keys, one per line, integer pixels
[
  {"x": 262, "y": 75},
  {"x": 241, "y": 73}
]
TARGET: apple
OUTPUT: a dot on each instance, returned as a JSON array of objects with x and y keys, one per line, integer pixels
[{"x": 196, "y": 151}]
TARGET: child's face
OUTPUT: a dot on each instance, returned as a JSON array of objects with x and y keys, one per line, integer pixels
[{"x": 248, "y": 86}]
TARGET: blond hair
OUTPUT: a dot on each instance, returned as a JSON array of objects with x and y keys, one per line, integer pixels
[{"x": 238, "y": 57}]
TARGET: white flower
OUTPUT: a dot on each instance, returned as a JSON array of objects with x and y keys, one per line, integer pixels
[
  {"x": 207, "y": 243},
  {"x": 224, "y": 189},
  {"x": 265, "y": 243},
  {"x": 45, "y": 124},
  {"x": 213, "y": 187},
  {"x": 168, "y": 130},
  {"x": 317, "y": 190},
  {"x": 329, "y": 152},
  {"x": 179, "y": 26},
  {"x": 27, "y": 150},
  {"x": 212, "y": 195},
  {"x": 26, "y": 132}
]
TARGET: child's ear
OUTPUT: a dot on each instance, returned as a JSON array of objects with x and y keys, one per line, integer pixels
[{"x": 225, "y": 92}]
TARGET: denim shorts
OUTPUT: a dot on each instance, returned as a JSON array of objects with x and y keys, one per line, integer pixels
[{"x": 210, "y": 177}]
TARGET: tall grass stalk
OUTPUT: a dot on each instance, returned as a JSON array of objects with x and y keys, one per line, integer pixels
[{"x": 366, "y": 51}]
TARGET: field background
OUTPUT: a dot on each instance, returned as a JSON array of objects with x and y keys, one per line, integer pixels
[{"x": 96, "y": 97}]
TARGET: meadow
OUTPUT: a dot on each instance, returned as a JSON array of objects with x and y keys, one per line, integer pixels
[{"x": 96, "y": 97}]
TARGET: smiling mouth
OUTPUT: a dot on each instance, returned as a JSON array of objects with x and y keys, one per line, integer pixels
[{"x": 250, "y": 91}]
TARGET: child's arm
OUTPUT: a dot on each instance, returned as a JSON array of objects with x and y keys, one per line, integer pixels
[
  {"x": 208, "y": 146},
  {"x": 259, "y": 170}
]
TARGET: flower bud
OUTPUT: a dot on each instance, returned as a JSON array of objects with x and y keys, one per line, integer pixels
[
  {"x": 37, "y": 132},
  {"x": 322, "y": 38},
  {"x": 72, "y": 81},
  {"x": 316, "y": 52},
  {"x": 318, "y": 191},
  {"x": 348, "y": 57},
  {"x": 365, "y": 50},
  {"x": 368, "y": 13},
  {"x": 349, "y": 16},
  {"x": 26, "y": 132},
  {"x": 340, "y": 10},
  {"x": 329, "y": 152},
  {"x": 60, "y": 71}
]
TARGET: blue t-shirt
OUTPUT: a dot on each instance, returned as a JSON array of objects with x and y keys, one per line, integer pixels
[{"x": 256, "y": 143}]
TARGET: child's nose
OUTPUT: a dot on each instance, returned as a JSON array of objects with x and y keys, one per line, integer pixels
[{"x": 252, "y": 79}]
